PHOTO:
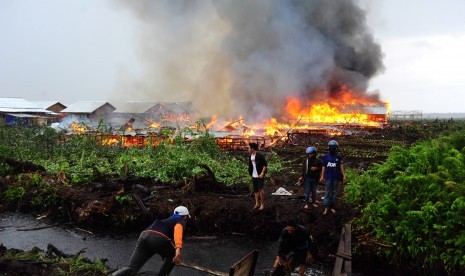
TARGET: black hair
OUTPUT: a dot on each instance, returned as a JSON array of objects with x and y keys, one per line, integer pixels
[
  {"x": 253, "y": 146},
  {"x": 291, "y": 222}
]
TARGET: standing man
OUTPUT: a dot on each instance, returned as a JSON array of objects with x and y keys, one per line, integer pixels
[
  {"x": 332, "y": 172},
  {"x": 163, "y": 237},
  {"x": 311, "y": 169},
  {"x": 293, "y": 238},
  {"x": 257, "y": 169}
]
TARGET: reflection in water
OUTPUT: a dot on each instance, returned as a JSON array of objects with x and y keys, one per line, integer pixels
[{"x": 218, "y": 254}]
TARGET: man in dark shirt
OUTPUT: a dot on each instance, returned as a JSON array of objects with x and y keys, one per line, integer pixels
[
  {"x": 311, "y": 169},
  {"x": 257, "y": 170},
  {"x": 293, "y": 238}
]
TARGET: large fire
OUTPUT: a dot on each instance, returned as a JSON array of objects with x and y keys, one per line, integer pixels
[
  {"x": 346, "y": 110},
  {"x": 327, "y": 117}
]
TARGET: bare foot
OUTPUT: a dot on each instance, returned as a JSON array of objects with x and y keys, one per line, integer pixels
[
  {"x": 315, "y": 205},
  {"x": 333, "y": 211},
  {"x": 255, "y": 207},
  {"x": 325, "y": 212},
  {"x": 261, "y": 207},
  {"x": 306, "y": 206}
]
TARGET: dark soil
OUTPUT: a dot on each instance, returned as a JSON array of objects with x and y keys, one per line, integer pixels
[{"x": 215, "y": 209}]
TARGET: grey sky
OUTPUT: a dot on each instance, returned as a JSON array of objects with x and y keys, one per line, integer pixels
[{"x": 90, "y": 50}]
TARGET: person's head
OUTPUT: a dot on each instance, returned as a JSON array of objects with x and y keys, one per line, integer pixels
[
  {"x": 253, "y": 147},
  {"x": 291, "y": 226},
  {"x": 311, "y": 151},
  {"x": 182, "y": 211},
  {"x": 332, "y": 146}
]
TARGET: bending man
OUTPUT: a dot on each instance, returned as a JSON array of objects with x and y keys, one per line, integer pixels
[{"x": 163, "y": 237}]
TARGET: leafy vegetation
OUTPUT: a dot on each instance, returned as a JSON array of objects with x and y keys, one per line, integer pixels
[
  {"x": 415, "y": 203},
  {"x": 82, "y": 159},
  {"x": 50, "y": 264}
]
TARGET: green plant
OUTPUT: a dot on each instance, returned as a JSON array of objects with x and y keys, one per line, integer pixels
[
  {"x": 123, "y": 199},
  {"x": 415, "y": 202},
  {"x": 14, "y": 193}
]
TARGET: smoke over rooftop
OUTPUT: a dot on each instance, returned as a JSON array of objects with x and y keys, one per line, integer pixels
[{"x": 241, "y": 57}]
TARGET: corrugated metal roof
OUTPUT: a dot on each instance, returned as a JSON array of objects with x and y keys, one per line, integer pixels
[
  {"x": 24, "y": 115},
  {"x": 364, "y": 109},
  {"x": 376, "y": 110},
  {"x": 134, "y": 107},
  {"x": 24, "y": 110},
  {"x": 46, "y": 104},
  {"x": 85, "y": 107},
  {"x": 20, "y": 105}
]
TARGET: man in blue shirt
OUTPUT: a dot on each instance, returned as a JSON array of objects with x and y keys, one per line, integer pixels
[{"x": 331, "y": 173}]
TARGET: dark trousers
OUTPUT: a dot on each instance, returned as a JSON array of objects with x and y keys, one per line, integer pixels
[
  {"x": 310, "y": 186},
  {"x": 149, "y": 244}
]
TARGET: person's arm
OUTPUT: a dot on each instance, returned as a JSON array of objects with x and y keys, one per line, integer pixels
[
  {"x": 322, "y": 177},
  {"x": 343, "y": 172},
  {"x": 265, "y": 164},
  {"x": 280, "y": 257},
  {"x": 262, "y": 174},
  {"x": 178, "y": 233}
]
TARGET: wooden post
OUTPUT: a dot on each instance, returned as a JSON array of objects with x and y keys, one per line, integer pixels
[
  {"x": 246, "y": 266},
  {"x": 348, "y": 249},
  {"x": 344, "y": 253}
]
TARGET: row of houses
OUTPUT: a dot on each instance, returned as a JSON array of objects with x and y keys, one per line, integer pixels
[{"x": 19, "y": 111}]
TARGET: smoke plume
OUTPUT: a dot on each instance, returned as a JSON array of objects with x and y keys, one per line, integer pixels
[{"x": 242, "y": 57}]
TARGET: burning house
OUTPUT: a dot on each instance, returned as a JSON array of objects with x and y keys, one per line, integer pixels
[
  {"x": 299, "y": 66},
  {"x": 87, "y": 112}
]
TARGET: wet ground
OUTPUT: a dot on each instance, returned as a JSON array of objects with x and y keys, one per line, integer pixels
[
  {"x": 223, "y": 212},
  {"x": 212, "y": 252}
]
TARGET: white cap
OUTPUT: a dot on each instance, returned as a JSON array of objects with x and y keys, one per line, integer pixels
[{"x": 182, "y": 211}]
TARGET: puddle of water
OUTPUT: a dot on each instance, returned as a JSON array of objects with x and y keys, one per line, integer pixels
[{"x": 217, "y": 254}]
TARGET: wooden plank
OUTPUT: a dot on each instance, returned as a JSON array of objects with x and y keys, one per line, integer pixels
[
  {"x": 246, "y": 266},
  {"x": 348, "y": 249},
  {"x": 340, "y": 250},
  {"x": 204, "y": 269},
  {"x": 140, "y": 204}
]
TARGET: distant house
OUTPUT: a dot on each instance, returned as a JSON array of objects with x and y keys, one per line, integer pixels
[
  {"x": 137, "y": 114},
  {"x": 89, "y": 111},
  {"x": 175, "y": 111},
  {"x": 18, "y": 111},
  {"x": 54, "y": 107},
  {"x": 376, "y": 114},
  {"x": 143, "y": 114}
]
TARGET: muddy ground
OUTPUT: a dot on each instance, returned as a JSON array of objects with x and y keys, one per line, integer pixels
[{"x": 128, "y": 205}]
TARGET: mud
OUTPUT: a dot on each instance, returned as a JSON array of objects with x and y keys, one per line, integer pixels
[{"x": 128, "y": 205}]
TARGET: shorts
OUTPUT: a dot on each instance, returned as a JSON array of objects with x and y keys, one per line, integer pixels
[
  {"x": 257, "y": 184},
  {"x": 300, "y": 256}
]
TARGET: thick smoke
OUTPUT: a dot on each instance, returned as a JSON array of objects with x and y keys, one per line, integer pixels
[{"x": 242, "y": 57}]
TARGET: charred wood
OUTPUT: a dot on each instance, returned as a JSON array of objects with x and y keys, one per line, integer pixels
[{"x": 23, "y": 166}]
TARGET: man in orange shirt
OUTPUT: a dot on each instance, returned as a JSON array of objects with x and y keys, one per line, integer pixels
[{"x": 163, "y": 237}]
